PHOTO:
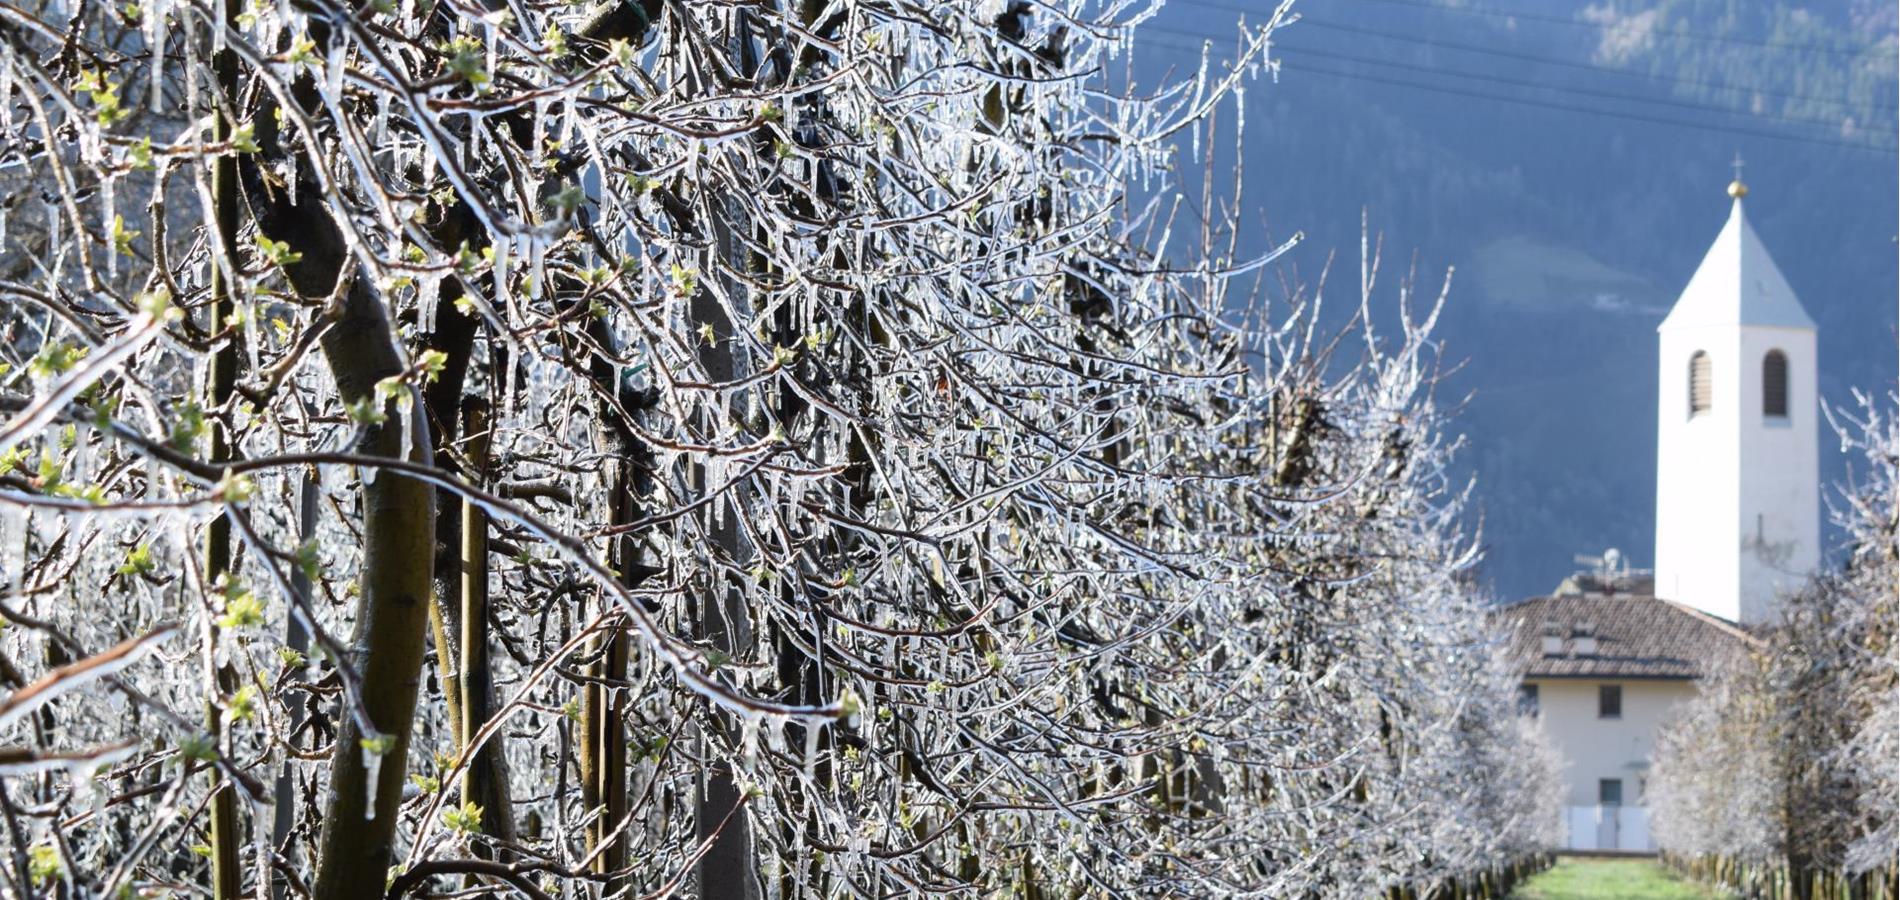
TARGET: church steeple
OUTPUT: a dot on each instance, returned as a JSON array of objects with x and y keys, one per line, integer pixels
[
  {"x": 1738, "y": 283},
  {"x": 1737, "y": 477}
]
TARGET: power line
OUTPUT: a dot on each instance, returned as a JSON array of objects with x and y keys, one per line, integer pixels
[
  {"x": 1511, "y": 82},
  {"x": 1577, "y": 91},
  {"x": 1577, "y": 23},
  {"x": 1310, "y": 22},
  {"x": 1638, "y": 117},
  {"x": 1564, "y": 107}
]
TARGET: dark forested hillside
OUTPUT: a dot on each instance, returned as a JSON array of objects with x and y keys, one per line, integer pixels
[{"x": 1568, "y": 161}]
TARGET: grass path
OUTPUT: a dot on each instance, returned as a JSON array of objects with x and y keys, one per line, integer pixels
[{"x": 1577, "y": 878}]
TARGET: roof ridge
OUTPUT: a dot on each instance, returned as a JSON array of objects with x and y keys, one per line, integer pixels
[{"x": 1720, "y": 623}]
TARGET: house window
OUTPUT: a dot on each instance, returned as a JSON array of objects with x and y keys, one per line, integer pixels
[
  {"x": 1610, "y": 701},
  {"x": 1527, "y": 699},
  {"x": 1774, "y": 384},
  {"x": 1701, "y": 392},
  {"x": 1609, "y": 792}
]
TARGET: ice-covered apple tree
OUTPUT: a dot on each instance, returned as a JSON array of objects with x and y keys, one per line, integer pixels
[
  {"x": 743, "y": 449},
  {"x": 1786, "y": 758}
]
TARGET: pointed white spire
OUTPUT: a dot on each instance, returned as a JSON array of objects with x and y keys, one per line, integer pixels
[
  {"x": 1738, "y": 283},
  {"x": 1737, "y": 473}
]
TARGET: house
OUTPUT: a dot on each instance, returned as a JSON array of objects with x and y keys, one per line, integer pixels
[
  {"x": 1606, "y": 656},
  {"x": 1603, "y": 661}
]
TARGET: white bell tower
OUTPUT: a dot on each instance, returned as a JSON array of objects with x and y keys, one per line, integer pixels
[{"x": 1737, "y": 477}]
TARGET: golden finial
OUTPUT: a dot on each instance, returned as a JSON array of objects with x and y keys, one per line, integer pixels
[{"x": 1736, "y": 188}]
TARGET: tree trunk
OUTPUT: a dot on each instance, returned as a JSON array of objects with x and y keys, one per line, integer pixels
[
  {"x": 226, "y": 835},
  {"x": 297, "y": 638},
  {"x": 486, "y": 779},
  {"x": 399, "y": 544},
  {"x": 604, "y": 753},
  {"x": 354, "y": 852}
]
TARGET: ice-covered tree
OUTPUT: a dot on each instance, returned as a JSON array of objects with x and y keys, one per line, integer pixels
[
  {"x": 1785, "y": 757},
  {"x": 753, "y": 449}
]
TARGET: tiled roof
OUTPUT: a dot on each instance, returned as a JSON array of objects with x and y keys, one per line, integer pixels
[{"x": 1636, "y": 636}]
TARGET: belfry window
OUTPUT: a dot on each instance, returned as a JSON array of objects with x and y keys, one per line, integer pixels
[
  {"x": 1701, "y": 391},
  {"x": 1774, "y": 384}
]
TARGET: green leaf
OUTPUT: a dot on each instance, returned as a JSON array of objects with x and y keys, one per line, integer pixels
[
  {"x": 243, "y": 704},
  {"x": 308, "y": 559},
  {"x": 685, "y": 281},
  {"x": 568, "y": 198},
  {"x": 43, "y": 864},
  {"x": 367, "y": 411},
  {"x": 198, "y": 748},
  {"x": 189, "y": 427},
  {"x": 466, "y": 820},
  {"x": 431, "y": 362},
  {"x": 235, "y": 488},
  {"x": 122, "y": 236},
  {"x": 303, "y": 52},
  {"x": 138, "y": 561},
  {"x": 378, "y": 745},
  {"x": 242, "y": 608},
  {"x": 467, "y": 60},
  {"x": 245, "y": 140},
  {"x": 278, "y": 253},
  {"x": 55, "y": 358}
]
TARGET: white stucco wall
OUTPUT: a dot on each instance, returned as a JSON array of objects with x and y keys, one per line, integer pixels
[
  {"x": 1780, "y": 528},
  {"x": 1738, "y": 519},
  {"x": 1596, "y": 748},
  {"x": 1698, "y": 473}
]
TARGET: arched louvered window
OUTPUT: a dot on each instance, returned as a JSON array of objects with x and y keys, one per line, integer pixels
[
  {"x": 1701, "y": 390},
  {"x": 1774, "y": 384}
]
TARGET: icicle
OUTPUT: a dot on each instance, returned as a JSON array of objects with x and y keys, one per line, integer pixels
[
  {"x": 536, "y": 261},
  {"x": 108, "y": 196},
  {"x": 6, "y": 90},
  {"x": 408, "y": 427},
  {"x": 749, "y": 740},
  {"x": 13, "y": 532},
  {"x": 372, "y": 775},
  {"x": 504, "y": 257},
  {"x": 538, "y": 152},
  {"x": 427, "y": 292},
  {"x": 79, "y": 463},
  {"x": 492, "y": 34},
  {"x": 811, "y": 754},
  {"x": 382, "y": 120},
  {"x": 155, "y": 39},
  {"x": 537, "y": 391},
  {"x": 428, "y": 170},
  {"x": 55, "y": 221},
  {"x": 333, "y": 70},
  {"x": 252, "y": 340},
  {"x": 511, "y": 393}
]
